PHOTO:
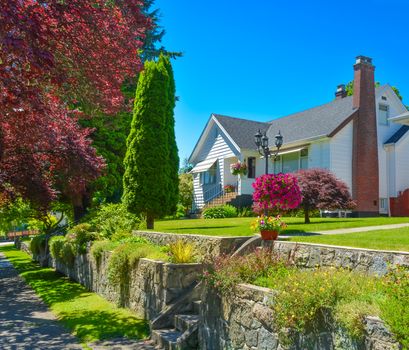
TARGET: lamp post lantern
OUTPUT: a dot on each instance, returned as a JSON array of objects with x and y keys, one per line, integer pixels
[{"x": 263, "y": 147}]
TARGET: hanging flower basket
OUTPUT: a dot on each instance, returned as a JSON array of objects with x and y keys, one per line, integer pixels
[{"x": 238, "y": 168}]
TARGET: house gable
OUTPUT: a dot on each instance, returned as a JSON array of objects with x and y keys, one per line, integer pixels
[{"x": 213, "y": 143}]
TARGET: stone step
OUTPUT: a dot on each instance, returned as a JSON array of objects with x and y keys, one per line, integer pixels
[
  {"x": 196, "y": 307},
  {"x": 165, "y": 338},
  {"x": 184, "y": 322}
]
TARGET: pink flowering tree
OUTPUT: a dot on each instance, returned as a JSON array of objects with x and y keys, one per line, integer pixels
[{"x": 276, "y": 193}]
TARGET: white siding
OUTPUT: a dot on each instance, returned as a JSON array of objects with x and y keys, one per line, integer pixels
[
  {"x": 319, "y": 155},
  {"x": 402, "y": 164},
  {"x": 341, "y": 154},
  {"x": 216, "y": 146}
]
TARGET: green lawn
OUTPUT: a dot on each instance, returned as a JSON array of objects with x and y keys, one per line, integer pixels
[
  {"x": 241, "y": 226},
  {"x": 85, "y": 314},
  {"x": 396, "y": 239}
]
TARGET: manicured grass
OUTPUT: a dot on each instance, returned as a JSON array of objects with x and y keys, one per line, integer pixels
[
  {"x": 85, "y": 314},
  {"x": 241, "y": 226},
  {"x": 396, "y": 239}
]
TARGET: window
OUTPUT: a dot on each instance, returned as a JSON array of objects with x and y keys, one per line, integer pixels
[
  {"x": 251, "y": 167},
  {"x": 209, "y": 177},
  {"x": 383, "y": 114},
  {"x": 304, "y": 158},
  {"x": 383, "y": 203},
  {"x": 290, "y": 162}
]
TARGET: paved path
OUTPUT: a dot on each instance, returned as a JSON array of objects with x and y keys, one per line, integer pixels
[
  {"x": 361, "y": 229},
  {"x": 27, "y": 323}
]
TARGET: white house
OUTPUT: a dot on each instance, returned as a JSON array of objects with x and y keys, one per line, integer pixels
[{"x": 363, "y": 139}]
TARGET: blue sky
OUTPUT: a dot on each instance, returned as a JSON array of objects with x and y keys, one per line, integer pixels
[{"x": 264, "y": 59}]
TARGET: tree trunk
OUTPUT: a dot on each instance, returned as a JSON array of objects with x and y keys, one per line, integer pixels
[
  {"x": 149, "y": 221},
  {"x": 81, "y": 206},
  {"x": 79, "y": 212},
  {"x": 306, "y": 215}
]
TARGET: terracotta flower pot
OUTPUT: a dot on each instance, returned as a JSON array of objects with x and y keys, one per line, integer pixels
[{"x": 269, "y": 235}]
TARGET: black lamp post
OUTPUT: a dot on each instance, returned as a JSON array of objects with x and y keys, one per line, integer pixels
[{"x": 263, "y": 148}]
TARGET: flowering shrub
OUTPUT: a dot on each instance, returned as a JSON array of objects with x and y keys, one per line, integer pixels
[
  {"x": 271, "y": 223},
  {"x": 276, "y": 192},
  {"x": 229, "y": 188},
  {"x": 238, "y": 168},
  {"x": 225, "y": 271}
]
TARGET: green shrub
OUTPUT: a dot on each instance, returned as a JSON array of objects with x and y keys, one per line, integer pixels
[
  {"x": 219, "y": 212},
  {"x": 80, "y": 235},
  {"x": 246, "y": 212},
  {"x": 125, "y": 256},
  {"x": 395, "y": 305},
  {"x": 38, "y": 244},
  {"x": 56, "y": 246},
  {"x": 225, "y": 272},
  {"x": 182, "y": 252},
  {"x": 99, "y": 247},
  {"x": 112, "y": 218},
  {"x": 68, "y": 253}
]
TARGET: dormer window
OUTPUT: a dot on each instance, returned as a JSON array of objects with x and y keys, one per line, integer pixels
[{"x": 383, "y": 114}]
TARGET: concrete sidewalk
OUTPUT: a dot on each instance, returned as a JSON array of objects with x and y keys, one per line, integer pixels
[
  {"x": 25, "y": 321},
  {"x": 361, "y": 229}
]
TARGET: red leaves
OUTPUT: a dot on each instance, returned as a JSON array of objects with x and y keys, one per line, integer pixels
[{"x": 55, "y": 54}]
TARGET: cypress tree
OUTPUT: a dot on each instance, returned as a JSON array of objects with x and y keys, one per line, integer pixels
[
  {"x": 173, "y": 189},
  {"x": 151, "y": 146}
]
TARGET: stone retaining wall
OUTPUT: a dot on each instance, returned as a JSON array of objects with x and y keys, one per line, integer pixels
[
  {"x": 309, "y": 255},
  {"x": 153, "y": 285},
  {"x": 244, "y": 321},
  {"x": 205, "y": 245}
]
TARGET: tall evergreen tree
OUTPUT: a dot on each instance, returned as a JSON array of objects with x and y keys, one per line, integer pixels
[
  {"x": 151, "y": 152},
  {"x": 173, "y": 148}
]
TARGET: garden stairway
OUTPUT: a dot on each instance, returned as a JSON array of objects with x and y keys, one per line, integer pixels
[
  {"x": 224, "y": 198},
  {"x": 183, "y": 332}
]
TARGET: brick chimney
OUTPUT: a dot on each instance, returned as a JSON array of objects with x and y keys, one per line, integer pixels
[
  {"x": 365, "y": 172},
  {"x": 341, "y": 92}
]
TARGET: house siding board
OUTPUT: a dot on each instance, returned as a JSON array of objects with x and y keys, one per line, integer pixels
[
  {"x": 214, "y": 147},
  {"x": 341, "y": 154},
  {"x": 319, "y": 155},
  {"x": 402, "y": 165}
]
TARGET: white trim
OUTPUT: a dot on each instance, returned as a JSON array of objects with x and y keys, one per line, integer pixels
[
  {"x": 226, "y": 133},
  {"x": 203, "y": 166},
  {"x": 401, "y": 119},
  {"x": 287, "y": 151}
]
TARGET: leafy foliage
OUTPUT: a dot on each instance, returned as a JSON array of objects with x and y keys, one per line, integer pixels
[
  {"x": 125, "y": 257},
  {"x": 394, "y": 308},
  {"x": 219, "y": 212},
  {"x": 99, "y": 247},
  {"x": 186, "y": 190},
  {"x": 182, "y": 252},
  {"x": 114, "y": 218},
  {"x": 38, "y": 244},
  {"x": 322, "y": 190},
  {"x": 225, "y": 272},
  {"x": 52, "y": 64},
  {"x": 80, "y": 235},
  {"x": 56, "y": 246},
  {"x": 275, "y": 193},
  {"x": 151, "y": 161}
]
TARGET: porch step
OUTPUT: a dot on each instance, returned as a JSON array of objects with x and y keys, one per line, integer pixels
[
  {"x": 165, "y": 338},
  {"x": 184, "y": 322}
]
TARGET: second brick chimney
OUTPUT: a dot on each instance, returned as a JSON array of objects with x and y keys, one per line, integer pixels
[
  {"x": 341, "y": 92},
  {"x": 365, "y": 171}
]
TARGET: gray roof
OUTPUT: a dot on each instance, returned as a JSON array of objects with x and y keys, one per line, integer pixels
[
  {"x": 314, "y": 122},
  {"x": 241, "y": 130},
  {"x": 318, "y": 121},
  {"x": 398, "y": 134}
]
